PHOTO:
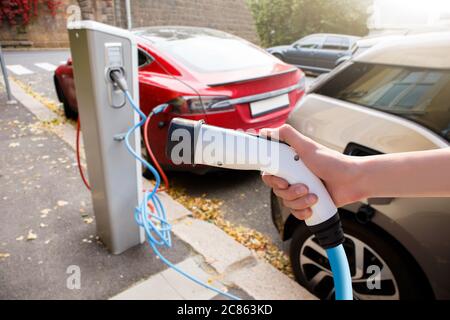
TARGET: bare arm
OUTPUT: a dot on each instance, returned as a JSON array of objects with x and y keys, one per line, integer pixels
[
  {"x": 349, "y": 179},
  {"x": 409, "y": 174}
]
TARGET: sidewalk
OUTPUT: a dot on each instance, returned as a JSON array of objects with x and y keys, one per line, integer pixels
[{"x": 47, "y": 225}]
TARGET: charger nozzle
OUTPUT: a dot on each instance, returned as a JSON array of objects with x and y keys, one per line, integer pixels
[{"x": 118, "y": 77}]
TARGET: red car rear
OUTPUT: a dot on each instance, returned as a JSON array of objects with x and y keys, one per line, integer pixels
[{"x": 204, "y": 74}]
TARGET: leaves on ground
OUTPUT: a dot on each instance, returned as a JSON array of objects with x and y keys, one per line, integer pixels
[{"x": 210, "y": 210}]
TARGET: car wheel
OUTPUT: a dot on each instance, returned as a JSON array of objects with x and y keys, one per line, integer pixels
[
  {"x": 69, "y": 112},
  {"x": 379, "y": 269}
]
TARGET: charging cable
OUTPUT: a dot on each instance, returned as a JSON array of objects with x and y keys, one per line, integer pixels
[{"x": 153, "y": 218}]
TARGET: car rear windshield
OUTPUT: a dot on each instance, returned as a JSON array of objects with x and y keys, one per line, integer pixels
[
  {"x": 206, "y": 50},
  {"x": 420, "y": 95}
]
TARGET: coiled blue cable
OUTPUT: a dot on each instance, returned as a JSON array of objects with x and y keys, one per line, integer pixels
[
  {"x": 155, "y": 224},
  {"x": 341, "y": 273}
]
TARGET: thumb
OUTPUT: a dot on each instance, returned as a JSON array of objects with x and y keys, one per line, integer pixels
[{"x": 302, "y": 144}]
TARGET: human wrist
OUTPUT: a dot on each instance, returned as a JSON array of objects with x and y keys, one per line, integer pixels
[{"x": 359, "y": 168}]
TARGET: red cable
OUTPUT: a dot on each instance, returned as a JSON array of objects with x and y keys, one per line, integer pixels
[
  {"x": 152, "y": 156},
  {"x": 86, "y": 183},
  {"x": 147, "y": 146}
]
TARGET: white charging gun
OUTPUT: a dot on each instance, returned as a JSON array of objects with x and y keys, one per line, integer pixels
[{"x": 193, "y": 142}]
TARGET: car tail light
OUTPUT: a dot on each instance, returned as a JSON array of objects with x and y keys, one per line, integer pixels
[{"x": 199, "y": 104}]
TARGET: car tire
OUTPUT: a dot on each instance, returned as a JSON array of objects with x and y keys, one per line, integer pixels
[
  {"x": 69, "y": 112},
  {"x": 308, "y": 265}
]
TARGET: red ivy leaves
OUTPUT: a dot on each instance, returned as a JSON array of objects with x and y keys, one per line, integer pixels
[{"x": 21, "y": 11}]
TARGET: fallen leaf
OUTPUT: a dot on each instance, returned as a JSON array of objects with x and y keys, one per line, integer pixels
[
  {"x": 20, "y": 238},
  {"x": 31, "y": 235},
  {"x": 45, "y": 211},
  {"x": 14, "y": 144},
  {"x": 43, "y": 225},
  {"x": 4, "y": 255},
  {"x": 88, "y": 220},
  {"x": 62, "y": 203}
]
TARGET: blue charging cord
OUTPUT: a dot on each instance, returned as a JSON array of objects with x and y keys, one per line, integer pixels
[
  {"x": 156, "y": 224},
  {"x": 341, "y": 273}
]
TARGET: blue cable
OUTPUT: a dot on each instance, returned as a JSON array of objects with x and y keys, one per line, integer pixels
[
  {"x": 341, "y": 273},
  {"x": 155, "y": 224}
]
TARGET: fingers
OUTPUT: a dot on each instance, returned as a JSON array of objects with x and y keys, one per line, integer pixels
[
  {"x": 302, "y": 214},
  {"x": 292, "y": 137},
  {"x": 296, "y": 197},
  {"x": 301, "y": 203},
  {"x": 275, "y": 182},
  {"x": 292, "y": 193}
]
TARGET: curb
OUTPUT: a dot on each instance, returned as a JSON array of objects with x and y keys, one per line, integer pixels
[{"x": 233, "y": 262}]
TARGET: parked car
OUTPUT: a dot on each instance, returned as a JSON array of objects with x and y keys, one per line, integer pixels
[
  {"x": 392, "y": 98},
  {"x": 316, "y": 53},
  {"x": 203, "y": 74}
]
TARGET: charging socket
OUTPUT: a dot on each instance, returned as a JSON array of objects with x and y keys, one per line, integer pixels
[{"x": 114, "y": 62}]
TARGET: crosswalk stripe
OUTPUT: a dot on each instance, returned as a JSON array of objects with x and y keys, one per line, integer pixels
[
  {"x": 18, "y": 69},
  {"x": 46, "y": 66}
]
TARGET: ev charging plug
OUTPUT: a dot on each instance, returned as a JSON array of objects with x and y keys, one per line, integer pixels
[
  {"x": 225, "y": 148},
  {"x": 193, "y": 142}
]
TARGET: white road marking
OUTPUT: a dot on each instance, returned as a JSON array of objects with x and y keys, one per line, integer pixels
[
  {"x": 46, "y": 66},
  {"x": 19, "y": 69}
]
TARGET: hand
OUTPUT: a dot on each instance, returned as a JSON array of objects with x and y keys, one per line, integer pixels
[{"x": 338, "y": 172}]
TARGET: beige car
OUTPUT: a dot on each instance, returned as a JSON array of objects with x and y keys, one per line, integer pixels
[{"x": 395, "y": 97}]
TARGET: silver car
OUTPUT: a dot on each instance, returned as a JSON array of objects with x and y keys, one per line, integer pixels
[{"x": 395, "y": 97}]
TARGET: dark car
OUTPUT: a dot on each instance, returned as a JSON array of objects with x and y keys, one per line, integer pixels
[{"x": 317, "y": 53}]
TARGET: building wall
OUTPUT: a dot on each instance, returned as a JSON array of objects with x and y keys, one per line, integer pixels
[
  {"x": 231, "y": 16},
  {"x": 43, "y": 30}
]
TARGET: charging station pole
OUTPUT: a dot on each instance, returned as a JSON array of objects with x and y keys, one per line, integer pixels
[{"x": 115, "y": 176}]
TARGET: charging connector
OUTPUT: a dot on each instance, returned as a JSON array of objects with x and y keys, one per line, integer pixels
[{"x": 117, "y": 76}]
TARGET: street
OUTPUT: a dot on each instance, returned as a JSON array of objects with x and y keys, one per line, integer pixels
[{"x": 246, "y": 200}]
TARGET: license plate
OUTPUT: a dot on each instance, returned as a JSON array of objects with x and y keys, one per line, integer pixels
[{"x": 266, "y": 106}]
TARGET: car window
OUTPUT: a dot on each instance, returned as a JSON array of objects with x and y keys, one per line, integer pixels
[
  {"x": 336, "y": 43},
  {"x": 310, "y": 42},
  {"x": 143, "y": 58},
  {"x": 205, "y": 50},
  {"x": 420, "y": 95}
]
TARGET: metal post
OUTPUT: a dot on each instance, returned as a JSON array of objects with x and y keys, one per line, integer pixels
[
  {"x": 128, "y": 9},
  {"x": 114, "y": 175},
  {"x": 5, "y": 77}
]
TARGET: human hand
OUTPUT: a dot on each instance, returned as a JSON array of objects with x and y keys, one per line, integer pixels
[{"x": 338, "y": 172}]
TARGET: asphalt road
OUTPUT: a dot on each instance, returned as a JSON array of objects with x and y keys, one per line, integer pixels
[{"x": 246, "y": 199}]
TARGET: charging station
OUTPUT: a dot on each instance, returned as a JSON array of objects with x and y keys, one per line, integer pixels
[{"x": 115, "y": 177}]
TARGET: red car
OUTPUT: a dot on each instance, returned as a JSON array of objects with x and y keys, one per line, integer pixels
[{"x": 203, "y": 74}]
